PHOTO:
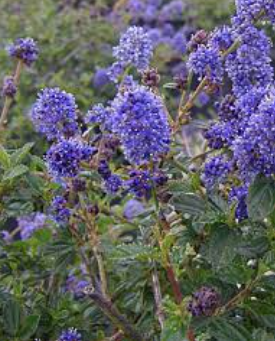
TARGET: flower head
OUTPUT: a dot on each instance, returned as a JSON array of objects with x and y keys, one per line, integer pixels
[
  {"x": 60, "y": 210},
  {"x": 216, "y": 170},
  {"x": 54, "y": 114},
  {"x": 64, "y": 158},
  {"x": 113, "y": 184},
  {"x": 24, "y": 49},
  {"x": 70, "y": 335},
  {"x": 29, "y": 224},
  {"x": 135, "y": 48},
  {"x": 98, "y": 114},
  {"x": 206, "y": 62},
  {"x": 141, "y": 123}
]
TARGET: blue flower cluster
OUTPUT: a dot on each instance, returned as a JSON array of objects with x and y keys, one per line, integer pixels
[
  {"x": 215, "y": 171},
  {"x": 249, "y": 66},
  {"x": 135, "y": 48},
  {"x": 29, "y": 224},
  {"x": 244, "y": 133},
  {"x": 141, "y": 123},
  {"x": 76, "y": 286},
  {"x": 60, "y": 210},
  {"x": 206, "y": 62},
  {"x": 98, "y": 114},
  {"x": 251, "y": 10},
  {"x": 142, "y": 182},
  {"x": 64, "y": 158},
  {"x": 238, "y": 196},
  {"x": 24, "y": 49},
  {"x": 166, "y": 23},
  {"x": 54, "y": 114},
  {"x": 70, "y": 335},
  {"x": 113, "y": 184}
]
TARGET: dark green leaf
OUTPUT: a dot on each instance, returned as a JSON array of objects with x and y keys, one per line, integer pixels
[
  {"x": 261, "y": 198},
  {"x": 29, "y": 327},
  {"x": 12, "y": 315},
  {"x": 15, "y": 172},
  {"x": 4, "y": 158},
  {"x": 189, "y": 204},
  {"x": 18, "y": 156}
]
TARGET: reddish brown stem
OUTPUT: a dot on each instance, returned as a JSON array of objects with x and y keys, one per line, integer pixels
[
  {"x": 174, "y": 284},
  {"x": 190, "y": 335}
]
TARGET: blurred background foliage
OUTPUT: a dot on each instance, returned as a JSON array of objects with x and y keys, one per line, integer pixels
[{"x": 75, "y": 38}]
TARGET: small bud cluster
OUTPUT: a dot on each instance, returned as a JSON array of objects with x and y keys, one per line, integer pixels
[{"x": 204, "y": 302}]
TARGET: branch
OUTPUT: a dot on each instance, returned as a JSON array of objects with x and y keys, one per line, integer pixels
[
  {"x": 9, "y": 100},
  {"x": 114, "y": 315},
  {"x": 158, "y": 296}
]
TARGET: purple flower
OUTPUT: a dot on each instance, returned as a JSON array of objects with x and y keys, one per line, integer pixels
[
  {"x": 54, "y": 114},
  {"x": 173, "y": 11},
  {"x": 249, "y": 66},
  {"x": 104, "y": 169},
  {"x": 64, "y": 158},
  {"x": 206, "y": 61},
  {"x": 98, "y": 114},
  {"x": 238, "y": 196},
  {"x": 249, "y": 10},
  {"x": 222, "y": 38},
  {"x": 203, "y": 98},
  {"x": 204, "y": 302},
  {"x": 76, "y": 286},
  {"x": 216, "y": 170},
  {"x": 6, "y": 236},
  {"x": 115, "y": 71},
  {"x": 113, "y": 184},
  {"x": 24, "y": 49},
  {"x": 59, "y": 209},
  {"x": 70, "y": 335},
  {"x": 179, "y": 42},
  {"x": 29, "y": 224},
  {"x": 135, "y": 48},
  {"x": 101, "y": 78},
  {"x": 142, "y": 182},
  {"x": 133, "y": 208},
  {"x": 9, "y": 87},
  {"x": 141, "y": 123}
]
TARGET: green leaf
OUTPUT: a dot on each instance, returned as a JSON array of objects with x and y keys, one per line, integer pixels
[
  {"x": 29, "y": 327},
  {"x": 262, "y": 335},
  {"x": 221, "y": 248},
  {"x": 18, "y": 156},
  {"x": 255, "y": 248},
  {"x": 12, "y": 315},
  {"x": 189, "y": 204},
  {"x": 37, "y": 163},
  {"x": 223, "y": 329},
  {"x": 172, "y": 331},
  {"x": 15, "y": 172},
  {"x": 140, "y": 252},
  {"x": 4, "y": 158},
  {"x": 63, "y": 252},
  {"x": 261, "y": 198}
]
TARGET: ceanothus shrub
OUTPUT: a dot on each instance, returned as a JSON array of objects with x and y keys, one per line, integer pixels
[{"x": 121, "y": 232}]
